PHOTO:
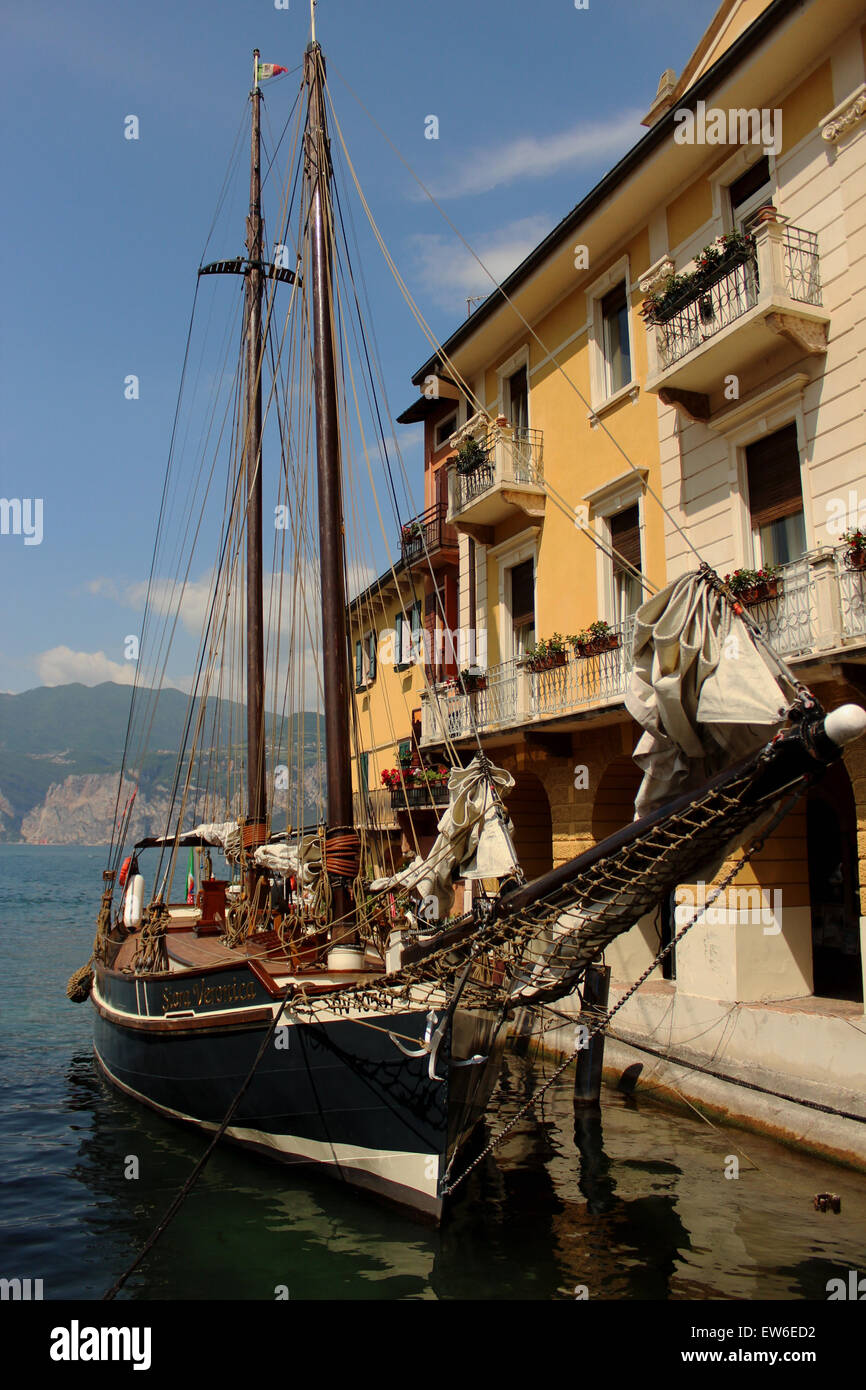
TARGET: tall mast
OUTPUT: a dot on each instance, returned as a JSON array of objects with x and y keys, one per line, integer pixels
[
  {"x": 334, "y": 627},
  {"x": 256, "y": 799}
]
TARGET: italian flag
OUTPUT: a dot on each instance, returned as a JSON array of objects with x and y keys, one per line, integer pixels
[
  {"x": 264, "y": 70},
  {"x": 190, "y": 880}
]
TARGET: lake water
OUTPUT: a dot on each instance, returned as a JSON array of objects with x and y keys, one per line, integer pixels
[{"x": 637, "y": 1208}]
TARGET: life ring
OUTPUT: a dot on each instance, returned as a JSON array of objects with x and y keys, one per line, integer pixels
[{"x": 124, "y": 870}]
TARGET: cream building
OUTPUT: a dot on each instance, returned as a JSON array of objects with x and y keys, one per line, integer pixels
[{"x": 736, "y": 400}]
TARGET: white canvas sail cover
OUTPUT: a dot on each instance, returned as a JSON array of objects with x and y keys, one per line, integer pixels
[
  {"x": 302, "y": 858},
  {"x": 472, "y": 838},
  {"x": 703, "y": 692}
]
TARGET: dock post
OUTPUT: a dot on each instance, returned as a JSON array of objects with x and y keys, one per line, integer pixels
[{"x": 587, "y": 1078}]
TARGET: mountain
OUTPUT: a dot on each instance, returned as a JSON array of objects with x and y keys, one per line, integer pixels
[{"x": 61, "y": 749}]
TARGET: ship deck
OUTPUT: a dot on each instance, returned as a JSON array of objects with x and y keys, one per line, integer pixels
[{"x": 189, "y": 951}]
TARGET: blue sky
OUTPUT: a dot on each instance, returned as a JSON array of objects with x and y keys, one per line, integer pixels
[{"x": 103, "y": 235}]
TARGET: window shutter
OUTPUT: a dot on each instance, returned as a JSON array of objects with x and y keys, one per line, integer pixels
[
  {"x": 359, "y": 663},
  {"x": 625, "y": 540},
  {"x": 773, "y": 469},
  {"x": 371, "y": 656},
  {"x": 415, "y": 630}
]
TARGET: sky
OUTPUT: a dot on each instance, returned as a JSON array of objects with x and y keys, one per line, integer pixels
[{"x": 102, "y": 236}]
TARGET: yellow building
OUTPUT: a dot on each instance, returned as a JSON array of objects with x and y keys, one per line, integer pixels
[{"x": 630, "y": 406}]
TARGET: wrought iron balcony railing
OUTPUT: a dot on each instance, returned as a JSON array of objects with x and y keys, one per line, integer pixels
[
  {"x": 781, "y": 274},
  {"x": 819, "y": 606},
  {"x": 420, "y": 798},
  {"x": 428, "y": 534},
  {"x": 513, "y": 457}
]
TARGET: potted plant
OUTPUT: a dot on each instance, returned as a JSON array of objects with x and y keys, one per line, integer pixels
[
  {"x": 598, "y": 637},
  {"x": 750, "y": 586},
  {"x": 855, "y": 555},
  {"x": 544, "y": 655},
  {"x": 391, "y": 779},
  {"x": 470, "y": 455},
  {"x": 473, "y": 678},
  {"x": 404, "y": 753},
  {"x": 713, "y": 264}
]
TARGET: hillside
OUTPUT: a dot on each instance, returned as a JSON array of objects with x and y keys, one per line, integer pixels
[{"x": 60, "y": 754}]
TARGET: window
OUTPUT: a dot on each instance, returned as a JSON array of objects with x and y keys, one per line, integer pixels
[
  {"x": 444, "y": 430},
  {"x": 518, "y": 399},
  {"x": 615, "y": 339},
  {"x": 365, "y": 660},
  {"x": 521, "y": 586},
  {"x": 776, "y": 498},
  {"x": 751, "y": 191},
  {"x": 625, "y": 542}
]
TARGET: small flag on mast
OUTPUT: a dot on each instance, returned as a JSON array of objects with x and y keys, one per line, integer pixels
[
  {"x": 264, "y": 70},
  {"x": 190, "y": 880}
]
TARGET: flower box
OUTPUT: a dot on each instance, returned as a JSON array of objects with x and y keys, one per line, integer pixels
[
  {"x": 597, "y": 645},
  {"x": 547, "y": 663},
  {"x": 855, "y": 559},
  {"x": 759, "y": 593}
]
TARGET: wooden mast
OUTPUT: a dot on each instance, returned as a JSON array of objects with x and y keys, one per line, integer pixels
[
  {"x": 335, "y": 649},
  {"x": 256, "y": 797}
]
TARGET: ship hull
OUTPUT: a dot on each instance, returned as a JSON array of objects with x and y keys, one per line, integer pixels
[{"x": 337, "y": 1094}]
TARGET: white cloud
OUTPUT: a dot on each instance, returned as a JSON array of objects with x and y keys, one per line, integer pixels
[
  {"x": 61, "y": 666},
  {"x": 452, "y": 274},
  {"x": 535, "y": 156}
]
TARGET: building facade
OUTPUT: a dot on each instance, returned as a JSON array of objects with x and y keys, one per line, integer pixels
[{"x": 675, "y": 374}]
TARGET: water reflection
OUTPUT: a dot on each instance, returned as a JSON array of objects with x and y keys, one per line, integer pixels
[{"x": 630, "y": 1201}]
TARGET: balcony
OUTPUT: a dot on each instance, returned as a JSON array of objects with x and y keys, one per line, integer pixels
[
  {"x": 429, "y": 538},
  {"x": 514, "y": 695},
  {"x": 819, "y": 613},
  {"x": 727, "y": 326},
  {"x": 420, "y": 798},
  {"x": 509, "y": 480}
]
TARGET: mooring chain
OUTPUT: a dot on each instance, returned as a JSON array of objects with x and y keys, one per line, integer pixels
[{"x": 446, "y": 1187}]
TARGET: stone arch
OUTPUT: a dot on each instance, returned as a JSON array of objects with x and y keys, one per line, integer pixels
[
  {"x": 613, "y": 806},
  {"x": 834, "y": 887},
  {"x": 529, "y": 809}
]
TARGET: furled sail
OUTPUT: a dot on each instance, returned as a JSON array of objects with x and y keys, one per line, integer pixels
[
  {"x": 474, "y": 838},
  {"x": 704, "y": 692}
]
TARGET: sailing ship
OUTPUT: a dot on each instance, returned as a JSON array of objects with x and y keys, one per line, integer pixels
[{"x": 307, "y": 1009}]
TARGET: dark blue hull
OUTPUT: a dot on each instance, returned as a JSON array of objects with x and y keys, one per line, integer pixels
[{"x": 339, "y": 1093}]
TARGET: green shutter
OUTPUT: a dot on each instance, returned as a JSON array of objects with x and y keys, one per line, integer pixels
[{"x": 359, "y": 663}]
